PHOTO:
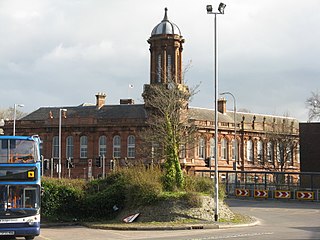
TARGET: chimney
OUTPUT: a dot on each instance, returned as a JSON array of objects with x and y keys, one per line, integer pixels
[
  {"x": 127, "y": 101},
  {"x": 101, "y": 100},
  {"x": 222, "y": 105}
]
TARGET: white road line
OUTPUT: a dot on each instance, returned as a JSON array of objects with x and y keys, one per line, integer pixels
[{"x": 234, "y": 236}]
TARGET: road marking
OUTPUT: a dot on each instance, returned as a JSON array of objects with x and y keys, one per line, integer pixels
[{"x": 243, "y": 235}]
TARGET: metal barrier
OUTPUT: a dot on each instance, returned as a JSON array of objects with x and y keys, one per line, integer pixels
[{"x": 304, "y": 186}]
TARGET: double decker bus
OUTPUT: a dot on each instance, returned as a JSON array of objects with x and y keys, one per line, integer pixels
[{"x": 20, "y": 186}]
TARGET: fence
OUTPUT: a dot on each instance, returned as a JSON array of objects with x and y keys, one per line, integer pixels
[{"x": 277, "y": 185}]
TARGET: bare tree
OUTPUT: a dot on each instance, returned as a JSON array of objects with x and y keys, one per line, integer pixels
[
  {"x": 313, "y": 103},
  {"x": 7, "y": 114},
  {"x": 168, "y": 126},
  {"x": 284, "y": 140}
]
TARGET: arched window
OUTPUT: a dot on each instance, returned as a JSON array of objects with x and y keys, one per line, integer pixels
[
  {"x": 116, "y": 146},
  {"x": 55, "y": 147},
  {"x": 280, "y": 153},
  {"x": 201, "y": 148},
  {"x": 289, "y": 153},
  {"x": 249, "y": 150},
  {"x": 234, "y": 149},
  {"x": 182, "y": 151},
  {"x": 159, "y": 69},
  {"x": 270, "y": 153},
  {"x": 260, "y": 150},
  {"x": 131, "y": 146},
  {"x": 169, "y": 68},
  {"x": 69, "y": 149},
  {"x": 102, "y": 146},
  {"x": 83, "y": 147},
  {"x": 212, "y": 148},
  {"x": 224, "y": 149}
]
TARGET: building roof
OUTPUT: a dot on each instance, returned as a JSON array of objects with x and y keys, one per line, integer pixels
[
  {"x": 132, "y": 111},
  {"x": 166, "y": 27},
  {"x": 139, "y": 112},
  {"x": 204, "y": 114}
]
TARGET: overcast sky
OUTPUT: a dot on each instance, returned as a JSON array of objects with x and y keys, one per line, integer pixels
[{"x": 61, "y": 53}]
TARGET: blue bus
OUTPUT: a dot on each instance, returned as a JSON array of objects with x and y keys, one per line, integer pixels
[{"x": 20, "y": 186}]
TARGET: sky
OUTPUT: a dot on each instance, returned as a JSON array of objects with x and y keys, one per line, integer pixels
[{"x": 62, "y": 53}]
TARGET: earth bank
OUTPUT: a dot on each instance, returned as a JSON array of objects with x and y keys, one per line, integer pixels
[{"x": 179, "y": 211}]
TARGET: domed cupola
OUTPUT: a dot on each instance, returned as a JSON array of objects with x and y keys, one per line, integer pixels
[
  {"x": 166, "y": 52},
  {"x": 166, "y": 27}
]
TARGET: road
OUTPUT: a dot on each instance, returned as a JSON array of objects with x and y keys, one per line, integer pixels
[{"x": 278, "y": 220}]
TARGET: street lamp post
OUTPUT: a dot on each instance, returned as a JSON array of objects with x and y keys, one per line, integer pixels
[
  {"x": 235, "y": 124},
  {"x": 235, "y": 145},
  {"x": 59, "y": 164},
  {"x": 216, "y": 177},
  {"x": 15, "y": 116}
]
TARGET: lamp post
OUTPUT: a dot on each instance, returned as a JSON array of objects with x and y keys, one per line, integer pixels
[
  {"x": 235, "y": 124},
  {"x": 216, "y": 177},
  {"x": 235, "y": 145},
  {"x": 15, "y": 116},
  {"x": 59, "y": 164}
]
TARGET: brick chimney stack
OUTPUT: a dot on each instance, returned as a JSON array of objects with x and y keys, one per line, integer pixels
[
  {"x": 222, "y": 105},
  {"x": 101, "y": 100}
]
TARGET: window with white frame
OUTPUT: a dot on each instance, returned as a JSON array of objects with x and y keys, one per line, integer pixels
[
  {"x": 102, "y": 146},
  {"x": 182, "y": 151},
  {"x": 55, "y": 147},
  {"x": 116, "y": 146},
  {"x": 280, "y": 152},
  {"x": 249, "y": 150},
  {"x": 201, "y": 148},
  {"x": 260, "y": 150},
  {"x": 224, "y": 149},
  {"x": 212, "y": 148},
  {"x": 289, "y": 155},
  {"x": 69, "y": 149},
  {"x": 234, "y": 149},
  {"x": 83, "y": 147},
  {"x": 270, "y": 153},
  {"x": 131, "y": 146}
]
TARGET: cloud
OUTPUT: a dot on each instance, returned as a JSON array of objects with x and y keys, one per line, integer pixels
[{"x": 63, "y": 52}]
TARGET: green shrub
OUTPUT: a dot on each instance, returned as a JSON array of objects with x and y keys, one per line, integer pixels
[
  {"x": 66, "y": 199},
  {"x": 101, "y": 204},
  {"x": 199, "y": 184},
  {"x": 62, "y": 198},
  {"x": 193, "y": 199}
]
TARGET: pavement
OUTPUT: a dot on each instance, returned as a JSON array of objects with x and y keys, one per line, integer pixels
[{"x": 155, "y": 226}]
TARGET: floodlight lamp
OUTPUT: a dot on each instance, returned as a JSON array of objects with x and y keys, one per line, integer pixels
[
  {"x": 209, "y": 8},
  {"x": 221, "y": 8}
]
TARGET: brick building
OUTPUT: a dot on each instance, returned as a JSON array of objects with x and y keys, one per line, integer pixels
[{"x": 92, "y": 130}]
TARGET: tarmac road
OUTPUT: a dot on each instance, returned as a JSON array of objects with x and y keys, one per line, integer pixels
[{"x": 277, "y": 220}]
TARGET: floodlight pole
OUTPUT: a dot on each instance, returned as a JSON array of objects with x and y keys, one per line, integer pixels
[{"x": 215, "y": 53}]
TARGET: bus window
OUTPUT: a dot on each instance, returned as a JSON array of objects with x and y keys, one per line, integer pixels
[
  {"x": 30, "y": 198},
  {"x": 18, "y": 151}
]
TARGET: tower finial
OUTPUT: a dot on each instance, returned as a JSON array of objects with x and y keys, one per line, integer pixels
[{"x": 165, "y": 14}]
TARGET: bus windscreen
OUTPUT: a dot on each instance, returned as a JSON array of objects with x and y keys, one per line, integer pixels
[{"x": 17, "y": 151}]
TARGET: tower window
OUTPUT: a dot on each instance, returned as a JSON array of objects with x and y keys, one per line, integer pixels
[
  {"x": 169, "y": 68},
  {"x": 159, "y": 69}
]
